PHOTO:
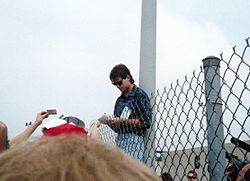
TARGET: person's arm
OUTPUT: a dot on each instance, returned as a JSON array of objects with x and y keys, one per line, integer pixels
[
  {"x": 94, "y": 133},
  {"x": 26, "y": 133},
  {"x": 141, "y": 118},
  {"x": 128, "y": 122},
  {"x": 243, "y": 172}
]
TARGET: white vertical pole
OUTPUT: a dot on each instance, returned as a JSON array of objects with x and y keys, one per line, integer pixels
[{"x": 147, "y": 73}]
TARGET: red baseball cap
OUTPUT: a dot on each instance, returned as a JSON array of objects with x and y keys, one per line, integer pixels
[{"x": 65, "y": 129}]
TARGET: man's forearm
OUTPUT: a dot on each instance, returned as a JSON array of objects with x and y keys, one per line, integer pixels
[
  {"x": 25, "y": 134},
  {"x": 130, "y": 122}
]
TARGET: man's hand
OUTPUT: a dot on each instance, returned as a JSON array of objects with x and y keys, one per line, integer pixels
[
  {"x": 104, "y": 119},
  {"x": 94, "y": 123},
  {"x": 41, "y": 116},
  {"x": 94, "y": 133}
]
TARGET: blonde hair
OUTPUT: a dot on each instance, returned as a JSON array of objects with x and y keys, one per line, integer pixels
[
  {"x": 70, "y": 158},
  {"x": 3, "y": 137}
]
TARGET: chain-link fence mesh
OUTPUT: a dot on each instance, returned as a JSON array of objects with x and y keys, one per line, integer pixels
[{"x": 196, "y": 120}]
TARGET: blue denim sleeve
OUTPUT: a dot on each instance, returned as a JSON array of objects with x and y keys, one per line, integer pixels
[{"x": 145, "y": 110}]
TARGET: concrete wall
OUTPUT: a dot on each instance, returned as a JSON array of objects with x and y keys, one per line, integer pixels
[{"x": 180, "y": 162}]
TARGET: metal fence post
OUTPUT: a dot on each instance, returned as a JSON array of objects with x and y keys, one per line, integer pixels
[
  {"x": 147, "y": 74},
  {"x": 215, "y": 132}
]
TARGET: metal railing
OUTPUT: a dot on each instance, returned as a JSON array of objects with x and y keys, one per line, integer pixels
[{"x": 195, "y": 119}]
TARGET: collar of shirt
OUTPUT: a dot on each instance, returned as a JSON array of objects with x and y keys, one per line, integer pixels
[{"x": 132, "y": 93}]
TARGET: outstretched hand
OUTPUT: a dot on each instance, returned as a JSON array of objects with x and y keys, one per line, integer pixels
[
  {"x": 95, "y": 123},
  {"x": 29, "y": 130},
  {"x": 41, "y": 116},
  {"x": 104, "y": 119}
]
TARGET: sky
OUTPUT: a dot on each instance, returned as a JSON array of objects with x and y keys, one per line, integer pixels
[{"x": 58, "y": 54}]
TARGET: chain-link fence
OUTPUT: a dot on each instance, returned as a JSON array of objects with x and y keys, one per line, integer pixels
[{"x": 196, "y": 120}]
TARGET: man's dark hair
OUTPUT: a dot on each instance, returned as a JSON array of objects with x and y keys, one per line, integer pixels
[
  {"x": 122, "y": 71},
  {"x": 166, "y": 177}
]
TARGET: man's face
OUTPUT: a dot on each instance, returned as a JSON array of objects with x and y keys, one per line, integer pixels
[
  {"x": 191, "y": 177},
  {"x": 121, "y": 84}
]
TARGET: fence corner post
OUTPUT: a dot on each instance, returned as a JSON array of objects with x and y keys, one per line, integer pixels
[{"x": 215, "y": 132}]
